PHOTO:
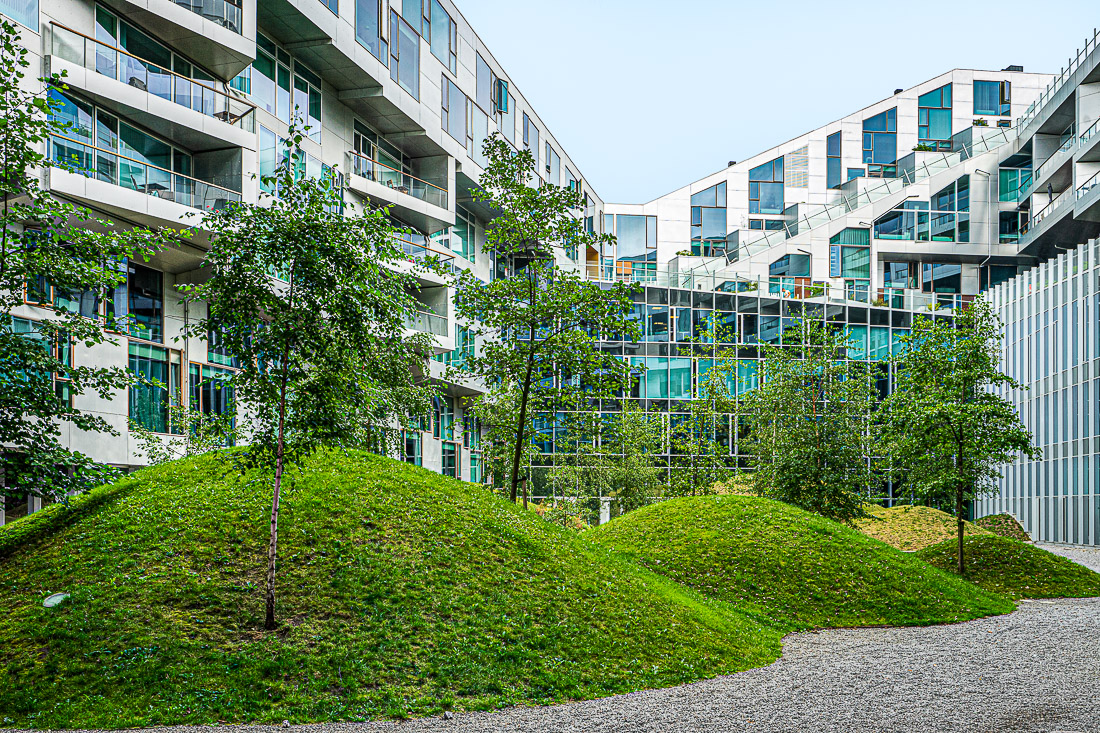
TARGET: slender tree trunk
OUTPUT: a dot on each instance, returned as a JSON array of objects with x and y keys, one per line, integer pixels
[
  {"x": 959, "y": 515},
  {"x": 272, "y": 547},
  {"x": 269, "y": 622},
  {"x": 521, "y": 429}
]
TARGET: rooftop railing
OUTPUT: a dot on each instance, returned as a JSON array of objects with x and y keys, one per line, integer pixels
[
  {"x": 930, "y": 164},
  {"x": 398, "y": 180},
  {"x": 1060, "y": 80},
  {"x": 123, "y": 66},
  {"x": 112, "y": 167}
]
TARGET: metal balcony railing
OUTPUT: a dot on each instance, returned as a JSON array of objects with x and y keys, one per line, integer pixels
[
  {"x": 113, "y": 167},
  {"x": 398, "y": 180},
  {"x": 226, "y": 13},
  {"x": 123, "y": 66},
  {"x": 1059, "y": 81}
]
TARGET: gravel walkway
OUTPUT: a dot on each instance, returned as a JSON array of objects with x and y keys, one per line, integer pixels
[
  {"x": 1087, "y": 556},
  {"x": 1036, "y": 670}
]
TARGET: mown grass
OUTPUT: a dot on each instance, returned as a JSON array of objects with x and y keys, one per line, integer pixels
[
  {"x": 789, "y": 566},
  {"x": 1015, "y": 569},
  {"x": 1004, "y": 525},
  {"x": 401, "y": 593},
  {"x": 913, "y": 527}
]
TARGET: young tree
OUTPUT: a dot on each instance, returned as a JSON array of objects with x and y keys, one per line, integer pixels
[
  {"x": 313, "y": 302},
  {"x": 948, "y": 425},
  {"x": 66, "y": 261},
  {"x": 633, "y": 439},
  {"x": 535, "y": 328},
  {"x": 699, "y": 463},
  {"x": 811, "y": 434}
]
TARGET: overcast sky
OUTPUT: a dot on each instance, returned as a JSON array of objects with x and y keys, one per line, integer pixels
[{"x": 649, "y": 95}]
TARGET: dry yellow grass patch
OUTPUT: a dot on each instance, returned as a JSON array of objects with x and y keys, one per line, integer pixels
[{"x": 913, "y": 527}]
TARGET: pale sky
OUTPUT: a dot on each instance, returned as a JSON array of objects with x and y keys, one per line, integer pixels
[{"x": 649, "y": 95}]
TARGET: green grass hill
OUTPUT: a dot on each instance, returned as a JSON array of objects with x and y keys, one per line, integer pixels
[
  {"x": 1015, "y": 569},
  {"x": 401, "y": 593},
  {"x": 789, "y": 565},
  {"x": 913, "y": 527},
  {"x": 1004, "y": 525}
]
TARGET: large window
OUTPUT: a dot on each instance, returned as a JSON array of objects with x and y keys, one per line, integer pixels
[
  {"x": 531, "y": 138},
  {"x": 833, "y": 175},
  {"x": 993, "y": 98},
  {"x": 934, "y": 118},
  {"x": 486, "y": 83},
  {"x": 766, "y": 188},
  {"x": 880, "y": 144},
  {"x": 942, "y": 278},
  {"x": 553, "y": 166},
  {"x": 145, "y": 302},
  {"x": 60, "y": 348},
  {"x": 442, "y": 34},
  {"x": 271, "y": 79},
  {"x": 158, "y": 378},
  {"x": 1012, "y": 182},
  {"x": 307, "y": 101},
  {"x": 368, "y": 28},
  {"x": 455, "y": 113},
  {"x": 708, "y": 221},
  {"x": 24, "y": 12},
  {"x": 636, "y": 239},
  {"x": 404, "y": 55},
  {"x": 211, "y": 392}
]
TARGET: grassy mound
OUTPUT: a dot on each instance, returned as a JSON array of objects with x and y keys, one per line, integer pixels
[
  {"x": 1004, "y": 525},
  {"x": 789, "y": 565},
  {"x": 1015, "y": 569},
  {"x": 913, "y": 527},
  {"x": 400, "y": 593}
]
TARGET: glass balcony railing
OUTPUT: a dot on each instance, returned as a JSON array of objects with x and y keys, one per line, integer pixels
[
  {"x": 425, "y": 322},
  {"x": 1028, "y": 231},
  {"x": 398, "y": 180},
  {"x": 111, "y": 61},
  {"x": 751, "y": 243},
  {"x": 419, "y": 252},
  {"x": 1088, "y": 186},
  {"x": 1089, "y": 133},
  {"x": 226, "y": 13},
  {"x": 1069, "y": 143},
  {"x": 111, "y": 167}
]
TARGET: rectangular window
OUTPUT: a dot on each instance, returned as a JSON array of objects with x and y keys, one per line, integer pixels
[
  {"x": 993, "y": 98},
  {"x": 934, "y": 118},
  {"x": 508, "y": 115},
  {"x": 24, "y": 12},
  {"x": 486, "y": 82},
  {"x": 531, "y": 138},
  {"x": 158, "y": 378},
  {"x": 450, "y": 460},
  {"x": 414, "y": 448},
  {"x": 211, "y": 392},
  {"x": 832, "y": 161},
  {"x": 333, "y": 5},
  {"x": 636, "y": 237},
  {"x": 443, "y": 35},
  {"x": 462, "y": 234},
  {"x": 404, "y": 55},
  {"x": 880, "y": 144},
  {"x": 145, "y": 302},
  {"x": 368, "y": 28},
  {"x": 307, "y": 101},
  {"x": 553, "y": 166},
  {"x": 454, "y": 111}
]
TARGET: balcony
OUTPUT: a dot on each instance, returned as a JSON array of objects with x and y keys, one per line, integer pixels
[
  {"x": 415, "y": 200},
  {"x": 1087, "y": 204},
  {"x": 196, "y": 114},
  {"x": 1088, "y": 146},
  {"x": 221, "y": 34},
  {"x": 425, "y": 322},
  {"x": 129, "y": 187}
]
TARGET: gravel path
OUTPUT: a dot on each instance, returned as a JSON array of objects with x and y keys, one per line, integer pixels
[
  {"x": 1087, "y": 556},
  {"x": 1036, "y": 670}
]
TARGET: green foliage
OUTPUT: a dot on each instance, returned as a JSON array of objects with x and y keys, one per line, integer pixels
[
  {"x": 1015, "y": 569},
  {"x": 948, "y": 426},
  {"x": 407, "y": 593},
  {"x": 536, "y": 328},
  {"x": 811, "y": 435},
  {"x": 698, "y": 462},
  {"x": 794, "y": 568},
  {"x": 199, "y": 433},
  {"x": 64, "y": 258},
  {"x": 312, "y": 300}
]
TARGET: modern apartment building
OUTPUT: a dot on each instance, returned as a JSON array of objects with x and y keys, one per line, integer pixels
[
  {"x": 911, "y": 206},
  {"x": 175, "y": 106}
]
